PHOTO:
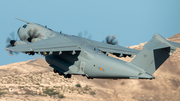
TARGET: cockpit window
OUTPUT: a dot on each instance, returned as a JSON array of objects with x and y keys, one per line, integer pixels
[{"x": 24, "y": 26}]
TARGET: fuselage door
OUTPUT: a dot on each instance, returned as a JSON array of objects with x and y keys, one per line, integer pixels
[{"x": 82, "y": 66}]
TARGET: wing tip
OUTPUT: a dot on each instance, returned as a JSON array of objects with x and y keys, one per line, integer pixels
[{"x": 8, "y": 49}]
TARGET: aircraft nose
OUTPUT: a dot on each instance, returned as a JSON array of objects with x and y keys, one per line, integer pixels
[
  {"x": 21, "y": 34},
  {"x": 18, "y": 30}
]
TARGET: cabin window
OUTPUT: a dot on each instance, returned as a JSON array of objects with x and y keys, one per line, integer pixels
[{"x": 24, "y": 26}]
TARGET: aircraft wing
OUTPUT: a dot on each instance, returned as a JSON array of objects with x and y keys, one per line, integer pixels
[
  {"x": 116, "y": 49},
  {"x": 60, "y": 43},
  {"x": 57, "y": 43}
]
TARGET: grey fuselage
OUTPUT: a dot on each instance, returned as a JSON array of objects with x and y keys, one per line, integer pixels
[{"x": 93, "y": 63}]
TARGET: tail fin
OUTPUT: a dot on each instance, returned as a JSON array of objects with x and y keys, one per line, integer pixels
[{"x": 154, "y": 53}]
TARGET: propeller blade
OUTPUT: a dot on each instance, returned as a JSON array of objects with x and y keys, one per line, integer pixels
[
  {"x": 16, "y": 53},
  {"x": 8, "y": 40},
  {"x": 10, "y": 53},
  {"x": 7, "y": 46},
  {"x": 85, "y": 33},
  {"x": 107, "y": 39},
  {"x": 34, "y": 32},
  {"x": 111, "y": 40},
  {"x": 80, "y": 34},
  {"x": 116, "y": 43},
  {"x": 12, "y": 34},
  {"x": 36, "y": 35},
  {"x": 90, "y": 36},
  {"x": 29, "y": 32},
  {"x": 113, "y": 37}
]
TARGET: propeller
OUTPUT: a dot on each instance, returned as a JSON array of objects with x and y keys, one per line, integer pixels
[
  {"x": 10, "y": 42},
  {"x": 86, "y": 34},
  {"x": 33, "y": 34},
  {"x": 111, "y": 40}
]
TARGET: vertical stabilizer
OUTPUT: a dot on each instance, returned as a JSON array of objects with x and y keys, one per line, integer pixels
[{"x": 153, "y": 54}]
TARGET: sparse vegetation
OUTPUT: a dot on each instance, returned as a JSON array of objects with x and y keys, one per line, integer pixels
[
  {"x": 123, "y": 83},
  {"x": 72, "y": 88},
  {"x": 30, "y": 92},
  {"x": 50, "y": 92},
  {"x": 1, "y": 93},
  {"x": 15, "y": 93},
  {"x": 79, "y": 92},
  {"x": 21, "y": 87},
  {"x": 84, "y": 92},
  {"x": 78, "y": 85},
  {"x": 41, "y": 85},
  {"x": 61, "y": 96},
  {"x": 92, "y": 93},
  {"x": 87, "y": 88}
]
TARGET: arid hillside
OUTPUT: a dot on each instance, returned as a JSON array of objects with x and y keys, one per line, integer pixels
[{"x": 34, "y": 81}]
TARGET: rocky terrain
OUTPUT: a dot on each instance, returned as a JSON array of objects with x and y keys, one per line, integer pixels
[{"x": 34, "y": 81}]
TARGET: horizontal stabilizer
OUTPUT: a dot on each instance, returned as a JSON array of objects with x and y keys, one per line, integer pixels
[
  {"x": 175, "y": 44},
  {"x": 154, "y": 53}
]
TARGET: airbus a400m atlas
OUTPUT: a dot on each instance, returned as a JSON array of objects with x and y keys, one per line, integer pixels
[{"x": 75, "y": 55}]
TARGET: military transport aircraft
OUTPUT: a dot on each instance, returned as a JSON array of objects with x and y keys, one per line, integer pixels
[{"x": 75, "y": 55}]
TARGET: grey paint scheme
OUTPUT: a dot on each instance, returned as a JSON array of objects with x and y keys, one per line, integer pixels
[{"x": 77, "y": 55}]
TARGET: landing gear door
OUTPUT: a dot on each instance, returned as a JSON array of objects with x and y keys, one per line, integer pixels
[{"x": 82, "y": 66}]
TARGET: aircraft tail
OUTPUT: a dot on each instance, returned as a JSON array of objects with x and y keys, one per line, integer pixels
[{"x": 154, "y": 53}]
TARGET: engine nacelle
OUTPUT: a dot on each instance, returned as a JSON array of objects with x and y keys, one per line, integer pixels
[
  {"x": 36, "y": 39},
  {"x": 19, "y": 43}
]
